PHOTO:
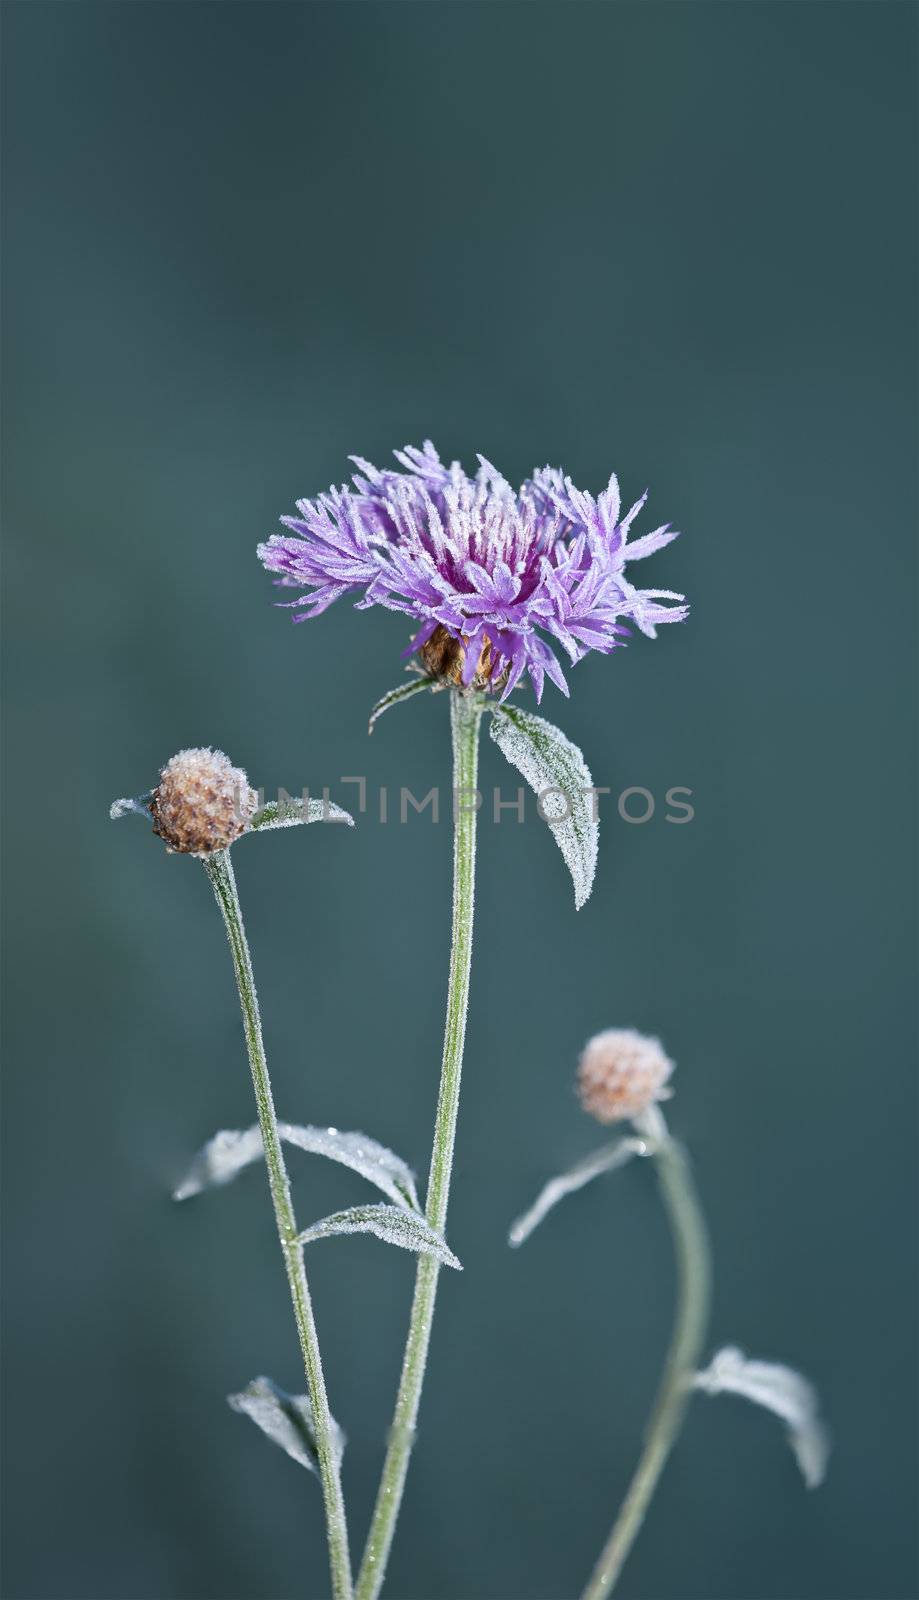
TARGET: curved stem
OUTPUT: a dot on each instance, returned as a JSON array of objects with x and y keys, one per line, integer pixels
[
  {"x": 220, "y": 871},
  {"x": 690, "y": 1240},
  {"x": 465, "y": 716}
]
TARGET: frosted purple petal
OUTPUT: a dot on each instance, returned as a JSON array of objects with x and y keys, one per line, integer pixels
[{"x": 488, "y": 563}]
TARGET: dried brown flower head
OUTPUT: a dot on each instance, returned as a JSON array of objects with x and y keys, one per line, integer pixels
[
  {"x": 202, "y": 802},
  {"x": 621, "y": 1073}
]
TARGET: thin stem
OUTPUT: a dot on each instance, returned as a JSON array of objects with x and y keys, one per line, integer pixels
[
  {"x": 690, "y": 1240},
  {"x": 465, "y": 716},
  {"x": 219, "y": 869}
]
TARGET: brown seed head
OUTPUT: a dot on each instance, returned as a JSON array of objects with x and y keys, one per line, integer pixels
[
  {"x": 621, "y": 1073},
  {"x": 202, "y": 802},
  {"x": 443, "y": 658}
]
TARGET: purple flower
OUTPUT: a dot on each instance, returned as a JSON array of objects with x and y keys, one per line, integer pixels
[{"x": 473, "y": 561}]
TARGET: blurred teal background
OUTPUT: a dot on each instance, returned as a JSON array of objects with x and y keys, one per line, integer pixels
[{"x": 241, "y": 241}]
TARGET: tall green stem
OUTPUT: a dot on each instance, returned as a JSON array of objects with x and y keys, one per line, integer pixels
[
  {"x": 690, "y": 1240},
  {"x": 465, "y": 716},
  {"x": 220, "y": 871}
]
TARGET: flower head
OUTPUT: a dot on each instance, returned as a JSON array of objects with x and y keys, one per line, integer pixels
[
  {"x": 473, "y": 561},
  {"x": 621, "y": 1073},
  {"x": 202, "y": 802}
]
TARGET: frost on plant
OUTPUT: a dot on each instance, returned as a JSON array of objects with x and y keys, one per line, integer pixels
[
  {"x": 200, "y": 807},
  {"x": 286, "y": 1419},
  {"x": 407, "y": 1229},
  {"x": 403, "y": 691},
  {"x": 557, "y": 771},
  {"x": 494, "y": 579},
  {"x": 621, "y": 1074},
  {"x": 780, "y": 1390},
  {"x": 230, "y": 1151},
  {"x": 202, "y": 804},
  {"x": 606, "y": 1160},
  {"x": 496, "y": 584},
  {"x": 292, "y": 812},
  {"x": 222, "y": 1158}
]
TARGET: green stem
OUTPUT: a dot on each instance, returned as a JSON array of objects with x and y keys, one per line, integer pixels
[
  {"x": 219, "y": 869},
  {"x": 690, "y": 1241},
  {"x": 465, "y": 716}
]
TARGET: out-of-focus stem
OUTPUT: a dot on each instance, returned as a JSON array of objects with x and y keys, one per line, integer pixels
[{"x": 690, "y": 1240}]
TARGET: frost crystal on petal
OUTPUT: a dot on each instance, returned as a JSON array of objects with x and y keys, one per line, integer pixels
[
  {"x": 510, "y": 575},
  {"x": 781, "y": 1390}
]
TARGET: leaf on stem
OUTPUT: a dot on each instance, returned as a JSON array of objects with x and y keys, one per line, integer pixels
[
  {"x": 290, "y": 813},
  {"x": 403, "y": 691},
  {"x": 139, "y": 806},
  {"x": 781, "y": 1390},
  {"x": 558, "y": 774},
  {"x": 221, "y": 1159},
  {"x": 230, "y": 1151},
  {"x": 355, "y": 1150},
  {"x": 287, "y": 1420},
  {"x": 406, "y": 1229},
  {"x": 606, "y": 1160}
]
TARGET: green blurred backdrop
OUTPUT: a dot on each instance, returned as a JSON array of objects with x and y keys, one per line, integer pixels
[{"x": 241, "y": 241}]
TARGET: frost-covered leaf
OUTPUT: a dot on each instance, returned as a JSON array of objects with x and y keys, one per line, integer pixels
[
  {"x": 290, "y": 813},
  {"x": 605, "y": 1160},
  {"x": 139, "y": 806},
  {"x": 404, "y": 1228},
  {"x": 220, "y": 1160},
  {"x": 230, "y": 1151},
  {"x": 556, "y": 770},
  {"x": 286, "y": 1419},
  {"x": 780, "y": 1390},
  {"x": 404, "y": 691},
  {"x": 355, "y": 1150}
]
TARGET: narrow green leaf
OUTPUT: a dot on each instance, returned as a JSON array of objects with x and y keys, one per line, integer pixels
[
  {"x": 606, "y": 1160},
  {"x": 391, "y": 1224},
  {"x": 404, "y": 691},
  {"x": 290, "y": 813},
  {"x": 286, "y": 1419},
  {"x": 556, "y": 771}
]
